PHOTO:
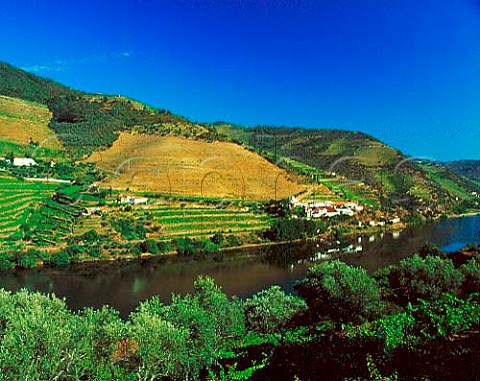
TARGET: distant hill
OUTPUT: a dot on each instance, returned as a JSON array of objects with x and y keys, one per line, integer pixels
[
  {"x": 17, "y": 83},
  {"x": 467, "y": 168},
  {"x": 396, "y": 180}
]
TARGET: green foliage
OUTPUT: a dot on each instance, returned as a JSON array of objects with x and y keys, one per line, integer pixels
[
  {"x": 289, "y": 229},
  {"x": 425, "y": 278},
  {"x": 20, "y": 84},
  {"x": 129, "y": 228},
  {"x": 190, "y": 247},
  {"x": 61, "y": 258},
  {"x": 393, "y": 330},
  {"x": 162, "y": 347},
  {"x": 149, "y": 246},
  {"x": 375, "y": 374},
  {"x": 91, "y": 237},
  {"x": 233, "y": 240},
  {"x": 27, "y": 258},
  {"x": 445, "y": 316},
  {"x": 218, "y": 239},
  {"x": 421, "y": 323},
  {"x": 269, "y": 311},
  {"x": 43, "y": 340},
  {"x": 471, "y": 271},
  {"x": 5, "y": 261},
  {"x": 341, "y": 292},
  {"x": 180, "y": 339},
  {"x": 234, "y": 374},
  {"x": 164, "y": 246}
]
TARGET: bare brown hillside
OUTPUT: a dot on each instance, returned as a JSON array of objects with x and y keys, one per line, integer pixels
[{"x": 181, "y": 166}]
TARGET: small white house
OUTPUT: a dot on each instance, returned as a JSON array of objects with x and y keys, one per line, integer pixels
[
  {"x": 133, "y": 200},
  {"x": 23, "y": 162}
]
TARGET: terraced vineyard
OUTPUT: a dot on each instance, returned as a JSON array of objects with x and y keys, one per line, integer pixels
[
  {"x": 204, "y": 221},
  {"x": 330, "y": 188},
  {"x": 53, "y": 222},
  {"x": 19, "y": 200},
  {"x": 353, "y": 190}
]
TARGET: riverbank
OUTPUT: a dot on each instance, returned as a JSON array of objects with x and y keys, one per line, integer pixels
[
  {"x": 241, "y": 271},
  {"x": 126, "y": 252}
]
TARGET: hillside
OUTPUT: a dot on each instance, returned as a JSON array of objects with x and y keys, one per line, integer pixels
[
  {"x": 24, "y": 129},
  {"x": 345, "y": 158},
  {"x": 86, "y": 122},
  {"x": 467, "y": 168},
  {"x": 187, "y": 158},
  {"x": 187, "y": 167},
  {"x": 129, "y": 179}
]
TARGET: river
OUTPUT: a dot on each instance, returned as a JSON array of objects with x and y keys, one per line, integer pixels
[{"x": 123, "y": 284}]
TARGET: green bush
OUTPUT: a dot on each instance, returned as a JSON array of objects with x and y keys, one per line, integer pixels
[
  {"x": 180, "y": 339},
  {"x": 269, "y": 311},
  {"x": 471, "y": 271},
  {"x": 421, "y": 323},
  {"x": 289, "y": 229},
  {"x": 341, "y": 292},
  {"x": 129, "y": 228},
  {"x": 188, "y": 247},
  {"x": 422, "y": 278},
  {"x": 61, "y": 258},
  {"x": 149, "y": 246}
]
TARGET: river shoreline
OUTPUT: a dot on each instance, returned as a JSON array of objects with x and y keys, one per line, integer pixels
[
  {"x": 123, "y": 284},
  {"x": 326, "y": 241}
]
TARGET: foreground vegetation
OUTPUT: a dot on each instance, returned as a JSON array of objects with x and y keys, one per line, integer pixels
[{"x": 420, "y": 318}]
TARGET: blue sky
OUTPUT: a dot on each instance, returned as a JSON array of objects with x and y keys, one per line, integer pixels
[{"x": 405, "y": 71}]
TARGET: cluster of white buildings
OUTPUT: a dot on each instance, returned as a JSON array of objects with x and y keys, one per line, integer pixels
[{"x": 327, "y": 209}]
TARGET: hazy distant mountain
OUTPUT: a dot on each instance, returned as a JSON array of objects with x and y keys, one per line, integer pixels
[{"x": 467, "y": 168}]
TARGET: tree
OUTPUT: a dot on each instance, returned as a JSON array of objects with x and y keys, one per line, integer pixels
[
  {"x": 162, "y": 348},
  {"x": 341, "y": 292},
  {"x": 425, "y": 278},
  {"x": 269, "y": 311},
  {"x": 180, "y": 339},
  {"x": 227, "y": 313},
  {"x": 10, "y": 156},
  {"x": 42, "y": 339},
  {"x": 149, "y": 246},
  {"x": 471, "y": 271},
  {"x": 285, "y": 229},
  {"x": 129, "y": 228}
]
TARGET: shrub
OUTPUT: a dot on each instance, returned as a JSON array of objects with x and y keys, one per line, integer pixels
[
  {"x": 61, "y": 258},
  {"x": 426, "y": 278},
  {"x": 149, "y": 246},
  {"x": 471, "y": 271},
  {"x": 341, "y": 292},
  {"x": 268, "y": 311}
]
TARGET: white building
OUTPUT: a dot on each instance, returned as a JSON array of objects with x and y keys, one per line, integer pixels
[
  {"x": 133, "y": 200},
  {"x": 23, "y": 162}
]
